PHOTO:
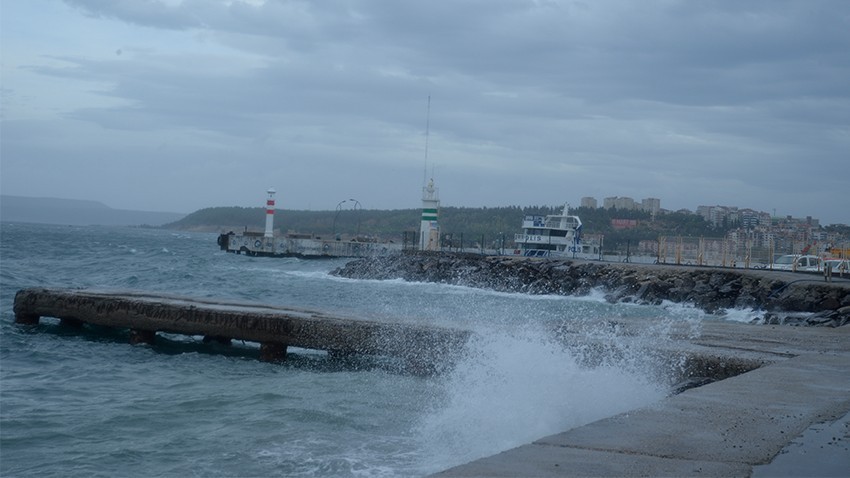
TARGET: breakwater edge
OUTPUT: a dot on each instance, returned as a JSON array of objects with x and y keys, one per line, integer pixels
[{"x": 777, "y": 297}]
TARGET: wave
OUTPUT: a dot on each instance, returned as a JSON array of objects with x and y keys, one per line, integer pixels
[{"x": 511, "y": 389}]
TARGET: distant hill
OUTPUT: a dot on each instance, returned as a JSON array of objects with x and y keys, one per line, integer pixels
[
  {"x": 324, "y": 223},
  {"x": 470, "y": 225},
  {"x": 75, "y": 212}
]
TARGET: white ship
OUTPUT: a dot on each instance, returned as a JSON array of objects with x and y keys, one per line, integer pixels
[{"x": 555, "y": 235}]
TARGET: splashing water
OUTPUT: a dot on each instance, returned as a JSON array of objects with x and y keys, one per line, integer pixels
[
  {"x": 511, "y": 390},
  {"x": 537, "y": 365}
]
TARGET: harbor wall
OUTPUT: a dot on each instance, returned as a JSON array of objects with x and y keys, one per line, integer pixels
[{"x": 781, "y": 297}]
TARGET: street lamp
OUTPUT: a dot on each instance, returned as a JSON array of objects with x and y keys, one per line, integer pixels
[
  {"x": 356, "y": 207},
  {"x": 338, "y": 209}
]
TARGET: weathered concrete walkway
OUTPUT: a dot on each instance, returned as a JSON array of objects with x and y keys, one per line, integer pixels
[
  {"x": 275, "y": 328},
  {"x": 722, "y": 429}
]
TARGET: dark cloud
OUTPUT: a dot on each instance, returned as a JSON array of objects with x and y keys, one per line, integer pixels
[
  {"x": 532, "y": 101},
  {"x": 150, "y": 13}
]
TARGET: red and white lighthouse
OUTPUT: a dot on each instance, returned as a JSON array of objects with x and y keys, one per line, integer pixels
[{"x": 270, "y": 214}]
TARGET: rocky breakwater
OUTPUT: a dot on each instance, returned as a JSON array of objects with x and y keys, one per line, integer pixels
[{"x": 780, "y": 297}]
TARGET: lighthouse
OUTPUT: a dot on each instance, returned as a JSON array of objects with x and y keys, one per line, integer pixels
[
  {"x": 270, "y": 214},
  {"x": 429, "y": 230}
]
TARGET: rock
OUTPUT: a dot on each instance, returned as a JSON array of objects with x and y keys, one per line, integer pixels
[{"x": 711, "y": 289}]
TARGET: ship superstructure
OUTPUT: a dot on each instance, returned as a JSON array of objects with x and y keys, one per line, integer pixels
[{"x": 556, "y": 235}]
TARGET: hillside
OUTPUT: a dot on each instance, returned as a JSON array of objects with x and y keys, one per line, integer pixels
[
  {"x": 76, "y": 212},
  {"x": 472, "y": 225}
]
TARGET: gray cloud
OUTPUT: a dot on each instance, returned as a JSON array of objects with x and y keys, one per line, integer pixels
[
  {"x": 743, "y": 103},
  {"x": 151, "y": 13}
]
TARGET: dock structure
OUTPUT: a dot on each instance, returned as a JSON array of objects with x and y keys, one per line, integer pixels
[
  {"x": 305, "y": 246},
  {"x": 422, "y": 348}
]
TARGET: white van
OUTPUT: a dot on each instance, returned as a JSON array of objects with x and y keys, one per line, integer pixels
[
  {"x": 838, "y": 266},
  {"x": 796, "y": 262}
]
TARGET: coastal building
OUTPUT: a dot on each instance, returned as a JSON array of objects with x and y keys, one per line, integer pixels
[
  {"x": 621, "y": 203},
  {"x": 650, "y": 205},
  {"x": 719, "y": 215},
  {"x": 748, "y": 235},
  {"x": 749, "y": 218},
  {"x": 589, "y": 202}
]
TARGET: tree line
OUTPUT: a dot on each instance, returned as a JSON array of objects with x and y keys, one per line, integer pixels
[{"x": 488, "y": 224}]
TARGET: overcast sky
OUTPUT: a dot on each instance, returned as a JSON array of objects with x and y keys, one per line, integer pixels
[{"x": 176, "y": 105}]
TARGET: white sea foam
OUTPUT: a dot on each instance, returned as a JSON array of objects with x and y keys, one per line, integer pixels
[
  {"x": 511, "y": 390},
  {"x": 743, "y": 314}
]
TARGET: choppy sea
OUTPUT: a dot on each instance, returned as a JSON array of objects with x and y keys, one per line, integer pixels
[{"x": 86, "y": 403}]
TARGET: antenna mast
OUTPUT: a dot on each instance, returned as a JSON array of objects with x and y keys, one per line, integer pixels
[{"x": 427, "y": 133}]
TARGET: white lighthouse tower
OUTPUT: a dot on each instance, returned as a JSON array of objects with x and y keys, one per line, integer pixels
[
  {"x": 270, "y": 214},
  {"x": 429, "y": 229}
]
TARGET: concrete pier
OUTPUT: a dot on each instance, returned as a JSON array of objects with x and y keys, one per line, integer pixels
[{"x": 274, "y": 328}]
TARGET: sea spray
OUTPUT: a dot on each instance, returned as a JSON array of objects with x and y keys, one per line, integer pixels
[{"x": 510, "y": 389}]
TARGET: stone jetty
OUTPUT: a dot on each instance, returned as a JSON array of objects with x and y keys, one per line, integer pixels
[
  {"x": 784, "y": 297},
  {"x": 423, "y": 349}
]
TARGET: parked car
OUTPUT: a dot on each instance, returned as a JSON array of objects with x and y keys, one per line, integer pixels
[
  {"x": 796, "y": 262},
  {"x": 838, "y": 266}
]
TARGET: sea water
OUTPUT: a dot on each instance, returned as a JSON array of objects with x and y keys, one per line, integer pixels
[{"x": 83, "y": 402}]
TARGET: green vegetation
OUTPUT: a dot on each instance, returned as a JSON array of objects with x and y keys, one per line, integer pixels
[
  {"x": 471, "y": 224},
  {"x": 389, "y": 223},
  {"x": 676, "y": 224}
]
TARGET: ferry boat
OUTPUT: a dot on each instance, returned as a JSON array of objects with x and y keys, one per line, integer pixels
[{"x": 554, "y": 235}]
